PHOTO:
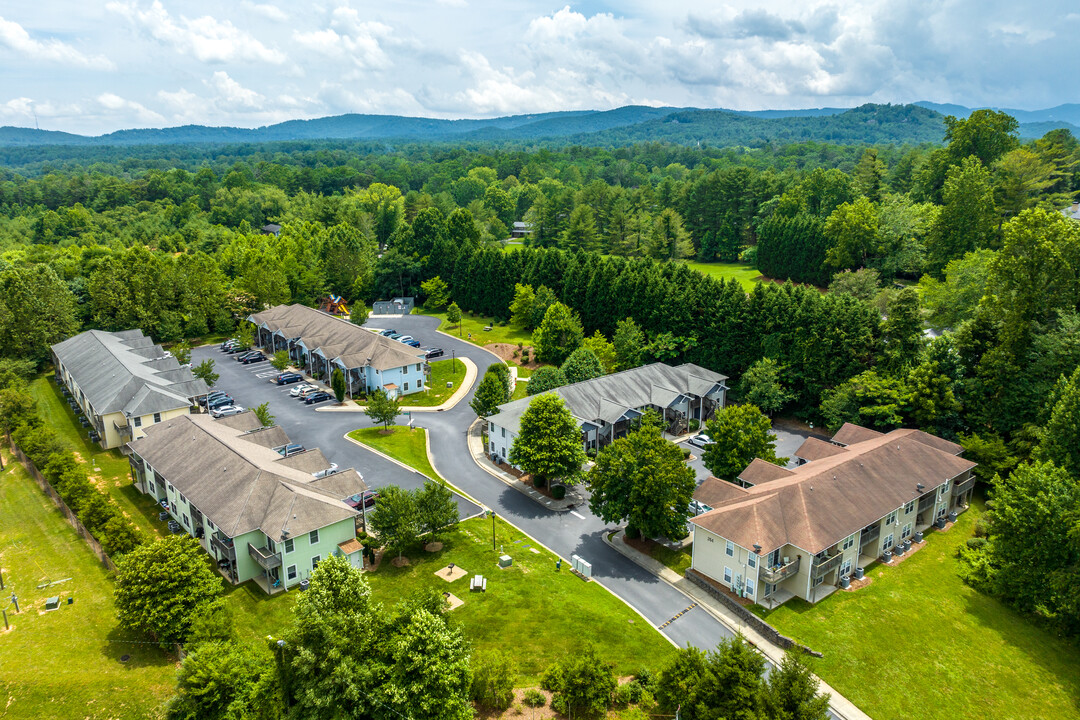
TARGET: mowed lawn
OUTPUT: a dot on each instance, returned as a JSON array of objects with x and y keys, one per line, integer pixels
[
  {"x": 474, "y": 325},
  {"x": 747, "y": 276},
  {"x": 919, "y": 643},
  {"x": 108, "y": 469},
  {"x": 530, "y": 609},
  {"x": 402, "y": 444},
  {"x": 442, "y": 371},
  {"x": 66, "y": 663}
]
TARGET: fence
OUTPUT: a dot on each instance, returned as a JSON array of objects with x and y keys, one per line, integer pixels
[
  {"x": 765, "y": 629},
  {"x": 72, "y": 518}
]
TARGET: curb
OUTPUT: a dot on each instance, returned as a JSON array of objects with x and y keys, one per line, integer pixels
[{"x": 471, "y": 372}]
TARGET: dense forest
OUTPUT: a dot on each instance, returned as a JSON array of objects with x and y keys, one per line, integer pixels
[{"x": 965, "y": 238}]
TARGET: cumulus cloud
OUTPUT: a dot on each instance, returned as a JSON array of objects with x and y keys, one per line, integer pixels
[
  {"x": 206, "y": 38},
  {"x": 15, "y": 37},
  {"x": 115, "y": 104},
  {"x": 351, "y": 38},
  {"x": 271, "y": 12},
  {"x": 233, "y": 92}
]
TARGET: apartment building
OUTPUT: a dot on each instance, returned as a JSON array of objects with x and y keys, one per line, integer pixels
[
  {"x": 261, "y": 515},
  {"x": 124, "y": 383},
  {"x": 779, "y": 533}
]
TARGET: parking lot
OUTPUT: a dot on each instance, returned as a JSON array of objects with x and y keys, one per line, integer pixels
[{"x": 787, "y": 442}]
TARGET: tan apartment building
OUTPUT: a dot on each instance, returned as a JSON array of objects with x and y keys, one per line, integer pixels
[
  {"x": 124, "y": 382},
  {"x": 779, "y": 533}
]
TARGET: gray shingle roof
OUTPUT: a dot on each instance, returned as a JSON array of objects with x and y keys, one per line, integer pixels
[
  {"x": 607, "y": 398},
  {"x": 337, "y": 338},
  {"x": 242, "y": 485},
  {"x": 126, "y": 372}
]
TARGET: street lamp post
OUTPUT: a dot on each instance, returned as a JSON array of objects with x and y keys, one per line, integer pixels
[{"x": 492, "y": 513}]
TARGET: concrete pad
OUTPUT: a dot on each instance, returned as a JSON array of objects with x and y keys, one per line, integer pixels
[
  {"x": 451, "y": 574},
  {"x": 454, "y": 601}
]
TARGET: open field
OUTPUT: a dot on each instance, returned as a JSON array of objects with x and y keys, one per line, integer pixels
[
  {"x": 108, "y": 468},
  {"x": 919, "y": 643},
  {"x": 66, "y": 663},
  {"x": 746, "y": 275}
]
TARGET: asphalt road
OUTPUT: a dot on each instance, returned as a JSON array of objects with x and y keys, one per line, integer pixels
[{"x": 578, "y": 532}]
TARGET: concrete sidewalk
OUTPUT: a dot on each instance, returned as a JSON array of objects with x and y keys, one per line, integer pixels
[
  {"x": 840, "y": 706},
  {"x": 458, "y": 396},
  {"x": 480, "y": 457}
]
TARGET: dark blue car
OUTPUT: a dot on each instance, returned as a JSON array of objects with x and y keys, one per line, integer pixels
[
  {"x": 287, "y": 378},
  {"x": 317, "y": 398}
]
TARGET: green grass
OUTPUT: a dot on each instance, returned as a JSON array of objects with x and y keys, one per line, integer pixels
[
  {"x": 475, "y": 324},
  {"x": 436, "y": 393},
  {"x": 520, "y": 390},
  {"x": 112, "y": 473},
  {"x": 677, "y": 560},
  {"x": 746, "y": 275},
  {"x": 66, "y": 663},
  {"x": 530, "y": 609},
  {"x": 918, "y": 642},
  {"x": 402, "y": 444}
]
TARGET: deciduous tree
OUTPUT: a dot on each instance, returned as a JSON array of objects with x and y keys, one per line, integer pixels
[
  {"x": 581, "y": 365},
  {"x": 739, "y": 433},
  {"x": 549, "y": 445},
  {"x": 205, "y": 372},
  {"x": 558, "y": 335}
]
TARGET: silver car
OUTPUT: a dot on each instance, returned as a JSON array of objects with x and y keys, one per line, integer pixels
[
  {"x": 226, "y": 410},
  {"x": 700, "y": 440}
]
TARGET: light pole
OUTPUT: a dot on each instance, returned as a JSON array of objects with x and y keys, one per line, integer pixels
[{"x": 492, "y": 513}]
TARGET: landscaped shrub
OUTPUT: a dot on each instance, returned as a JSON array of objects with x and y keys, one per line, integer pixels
[
  {"x": 976, "y": 542},
  {"x": 644, "y": 677},
  {"x": 632, "y": 533},
  {"x": 582, "y": 683},
  {"x": 537, "y": 482},
  {"x": 494, "y": 673},
  {"x": 534, "y": 698},
  {"x": 626, "y": 694},
  {"x": 694, "y": 425},
  {"x": 558, "y": 491}
]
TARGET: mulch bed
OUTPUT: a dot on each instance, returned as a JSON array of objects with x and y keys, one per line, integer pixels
[{"x": 506, "y": 351}]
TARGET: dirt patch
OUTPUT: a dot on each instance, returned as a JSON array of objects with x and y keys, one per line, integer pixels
[
  {"x": 98, "y": 482},
  {"x": 518, "y": 710},
  {"x": 78, "y": 456},
  {"x": 432, "y": 547},
  {"x": 386, "y": 432},
  {"x": 400, "y": 562},
  {"x": 506, "y": 351}
]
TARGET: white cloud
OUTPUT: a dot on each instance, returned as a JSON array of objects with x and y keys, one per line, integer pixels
[
  {"x": 452, "y": 3},
  {"x": 271, "y": 12},
  {"x": 351, "y": 38},
  {"x": 113, "y": 103},
  {"x": 233, "y": 92},
  {"x": 206, "y": 38},
  {"x": 14, "y": 36}
]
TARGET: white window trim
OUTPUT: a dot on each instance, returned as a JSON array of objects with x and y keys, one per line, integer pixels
[
  {"x": 729, "y": 549},
  {"x": 316, "y": 540},
  {"x": 315, "y": 560},
  {"x": 288, "y": 546},
  {"x": 727, "y": 575},
  {"x": 290, "y": 572},
  {"x": 887, "y": 543}
]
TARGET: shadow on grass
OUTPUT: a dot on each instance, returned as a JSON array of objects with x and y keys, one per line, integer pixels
[{"x": 140, "y": 650}]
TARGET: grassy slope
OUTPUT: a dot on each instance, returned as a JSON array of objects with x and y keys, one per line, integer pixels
[
  {"x": 918, "y": 642},
  {"x": 66, "y": 663},
  {"x": 747, "y": 276},
  {"x": 113, "y": 468},
  {"x": 437, "y": 393},
  {"x": 475, "y": 325}
]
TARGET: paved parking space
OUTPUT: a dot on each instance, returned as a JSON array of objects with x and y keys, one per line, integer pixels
[{"x": 787, "y": 442}]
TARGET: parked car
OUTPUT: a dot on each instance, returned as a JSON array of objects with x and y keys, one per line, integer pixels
[
  {"x": 367, "y": 498},
  {"x": 210, "y": 397},
  {"x": 413, "y": 343},
  {"x": 228, "y": 343},
  {"x": 388, "y": 333},
  {"x": 700, "y": 440},
  {"x": 317, "y": 397},
  {"x": 240, "y": 357},
  {"x": 404, "y": 338},
  {"x": 287, "y": 378},
  {"x": 219, "y": 402},
  {"x": 238, "y": 348},
  {"x": 290, "y": 449},
  {"x": 328, "y": 471},
  {"x": 226, "y": 411},
  {"x": 433, "y": 352},
  {"x": 253, "y": 358},
  {"x": 698, "y": 508},
  {"x": 394, "y": 336},
  {"x": 299, "y": 390},
  {"x": 311, "y": 390}
]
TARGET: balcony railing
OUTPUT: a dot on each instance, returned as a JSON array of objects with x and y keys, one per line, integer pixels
[
  {"x": 869, "y": 535},
  {"x": 773, "y": 575},
  {"x": 266, "y": 559},
  {"x": 962, "y": 487},
  {"x": 124, "y": 430},
  {"x": 927, "y": 501},
  {"x": 224, "y": 545},
  {"x": 821, "y": 566}
]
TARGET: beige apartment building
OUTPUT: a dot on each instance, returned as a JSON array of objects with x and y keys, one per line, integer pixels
[{"x": 780, "y": 533}]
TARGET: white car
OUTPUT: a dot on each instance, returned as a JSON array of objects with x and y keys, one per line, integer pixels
[
  {"x": 226, "y": 410},
  {"x": 328, "y": 471},
  {"x": 404, "y": 338},
  {"x": 302, "y": 387},
  {"x": 700, "y": 440}
]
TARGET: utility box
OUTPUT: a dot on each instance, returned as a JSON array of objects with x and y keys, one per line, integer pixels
[
  {"x": 505, "y": 561},
  {"x": 52, "y": 603}
]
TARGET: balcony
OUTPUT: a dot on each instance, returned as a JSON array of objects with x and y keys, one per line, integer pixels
[
  {"x": 224, "y": 545},
  {"x": 926, "y": 502},
  {"x": 124, "y": 430},
  {"x": 869, "y": 535},
  {"x": 780, "y": 573},
  {"x": 822, "y": 566},
  {"x": 962, "y": 487},
  {"x": 266, "y": 559}
]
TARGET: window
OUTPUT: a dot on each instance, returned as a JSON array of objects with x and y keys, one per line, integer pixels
[
  {"x": 315, "y": 561},
  {"x": 730, "y": 549},
  {"x": 157, "y": 417},
  {"x": 270, "y": 544},
  {"x": 888, "y": 542},
  {"x": 405, "y": 370},
  {"x": 845, "y": 568},
  {"x": 419, "y": 383},
  {"x": 417, "y": 367},
  {"x": 290, "y": 572},
  {"x": 406, "y": 387},
  {"x": 817, "y": 581},
  {"x": 186, "y": 522},
  {"x": 169, "y": 487},
  {"x": 848, "y": 542},
  {"x": 313, "y": 537},
  {"x": 727, "y": 575},
  {"x": 491, "y": 427},
  {"x": 210, "y": 523},
  {"x": 909, "y": 507},
  {"x": 288, "y": 546},
  {"x": 492, "y": 446},
  {"x": 749, "y": 587},
  {"x": 905, "y": 532},
  {"x": 182, "y": 498},
  {"x": 138, "y": 422},
  {"x": 503, "y": 431},
  {"x": 941, "y": 512},
  {"x": 945, "y": 489},
  {"x": 751, "y": 560},
  {"x": 891, "y": 520},
  {"x": 150, "y": 484}
]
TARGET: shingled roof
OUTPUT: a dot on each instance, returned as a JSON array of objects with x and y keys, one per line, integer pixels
[
  {"x": 127, "y": 372},
  {"x": 336, "y": 338},
  {"x": 241, "y": 485},
  {"x": 822, "y": 502}
]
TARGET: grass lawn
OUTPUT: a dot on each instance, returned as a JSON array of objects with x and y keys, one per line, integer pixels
[
  {"x": 109, "y": 469},
  {"x": 66, "y": 663},
  {"x": 530, "y": 609},
  {"x": 436, "y": 393},
  {"x": 747, "y": 276},
  {"x": 475, "y": 324},
  {"x": 919, "y": 643},
  {"x": 402, "y": 444},
  {"x": 677, "y": 560},
  {"x": 520, "y": 390}
]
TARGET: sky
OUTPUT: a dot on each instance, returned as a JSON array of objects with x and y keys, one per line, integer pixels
[{"x": 94, "y": 67}]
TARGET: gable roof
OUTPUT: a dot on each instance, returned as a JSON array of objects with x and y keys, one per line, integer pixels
[
  {"x": 242, "y": 485},
  {"x": 820, "y": 503},
  {"x": 713, "y": 491},
  {"x": 126, "y": 372},
  {"x": 815, "y": 449},
  {"x": 608, "y": 397},
  {"x": 849, "y": 434},
  {"x": 335, "y": 338}
]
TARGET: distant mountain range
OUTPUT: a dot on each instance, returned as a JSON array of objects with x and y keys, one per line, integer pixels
[{"x": 915, "y": 123}]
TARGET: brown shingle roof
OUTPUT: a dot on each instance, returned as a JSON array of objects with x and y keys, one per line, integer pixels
[
  {"x": 849, "y": 434},
  {"x": 713, "y": 491},
  {"x": 822, "y": 502},
  {"x": 815, "y": 449},
  {"x": 761, "y": 471}
]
